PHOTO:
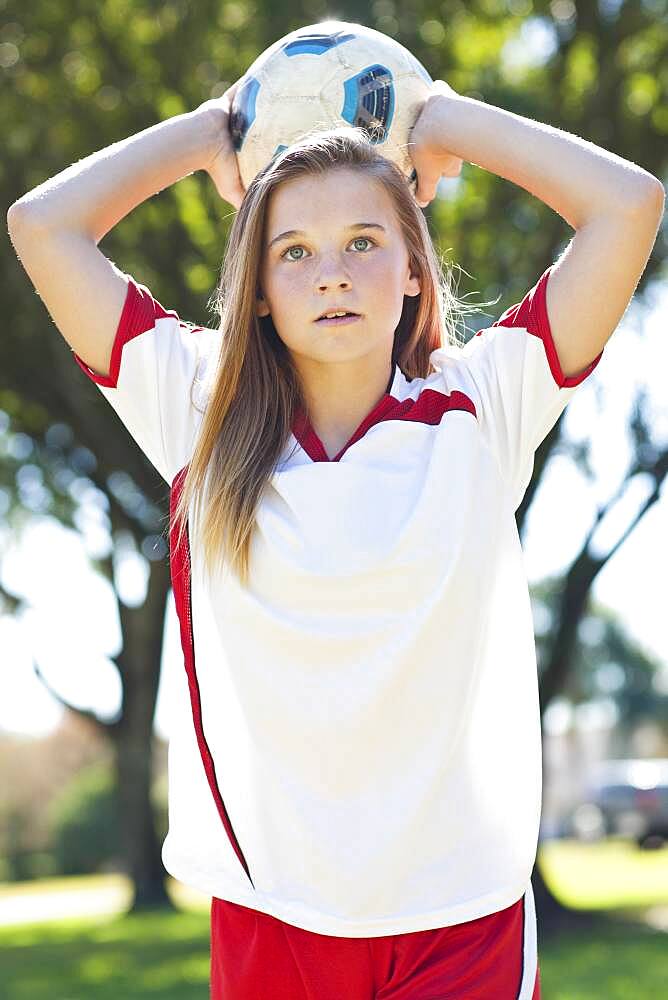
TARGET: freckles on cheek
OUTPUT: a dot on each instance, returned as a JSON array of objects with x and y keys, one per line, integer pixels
[
  {"x": 294, "y": 278},
  {"x": 287, "y": 293},
  {"x": 291, "y": 289}
]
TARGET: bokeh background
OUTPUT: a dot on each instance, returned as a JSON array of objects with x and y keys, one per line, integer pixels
[{"x": 88, "y": 635}]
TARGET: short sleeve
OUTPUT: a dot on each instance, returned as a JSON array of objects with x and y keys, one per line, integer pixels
[
  {"x": 520, "y": 387},
  {"x": 156, "y": 377}
]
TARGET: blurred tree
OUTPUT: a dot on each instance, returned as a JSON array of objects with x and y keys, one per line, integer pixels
[
  {"x": 606, "y": 662},
  {"x": 80, "y": 76},
  {"x": 84, "y": 821},
  {"x": 32, "y": 772}
]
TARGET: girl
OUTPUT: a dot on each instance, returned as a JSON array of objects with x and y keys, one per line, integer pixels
[{"x": 355, "y": 762}]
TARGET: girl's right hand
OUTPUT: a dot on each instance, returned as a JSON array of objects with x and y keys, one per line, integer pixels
[{"x": 223, "y": 167}]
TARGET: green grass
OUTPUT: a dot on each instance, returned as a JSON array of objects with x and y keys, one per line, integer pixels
[
  {"x": 166, "y": 955},
  {"x": 610, "y": 963},
  {"x": 161, "y": 955}
]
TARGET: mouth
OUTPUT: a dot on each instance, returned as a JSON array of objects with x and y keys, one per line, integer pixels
[{"x": 338, "y": 320}]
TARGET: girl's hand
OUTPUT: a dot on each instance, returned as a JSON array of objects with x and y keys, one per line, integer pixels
[
  {"x": 223, "y": 167},
  {"x": 431, "y": 160}
]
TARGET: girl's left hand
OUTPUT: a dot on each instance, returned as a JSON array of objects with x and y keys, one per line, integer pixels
[
  {"x": 223, "y": 166},
  {"x": 430, "y": 159}
]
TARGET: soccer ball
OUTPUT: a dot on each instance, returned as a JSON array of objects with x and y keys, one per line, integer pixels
[{"x": 323, "y": 75}]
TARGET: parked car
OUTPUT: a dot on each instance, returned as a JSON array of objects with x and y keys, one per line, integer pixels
[{"x": 626, "y": 797}]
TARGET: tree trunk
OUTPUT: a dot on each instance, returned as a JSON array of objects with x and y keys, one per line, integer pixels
[
  {"x": 140, "y": 846},
  {"x": 139, "y": 666}
]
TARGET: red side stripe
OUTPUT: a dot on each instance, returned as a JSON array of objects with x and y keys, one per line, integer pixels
[{"x": 181, "y": 583}]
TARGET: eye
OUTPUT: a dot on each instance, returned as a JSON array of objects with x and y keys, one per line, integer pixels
[
  {"x": 289, "y": 250},
  {"x": 297, "y": 246},
  {"x": 364, "y": 239}
]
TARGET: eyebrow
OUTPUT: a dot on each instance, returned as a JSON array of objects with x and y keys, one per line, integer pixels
[{"x": 289, "y": 233}]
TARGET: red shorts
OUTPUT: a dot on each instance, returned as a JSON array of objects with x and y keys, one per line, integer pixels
[{"x": 255, "y": 956}]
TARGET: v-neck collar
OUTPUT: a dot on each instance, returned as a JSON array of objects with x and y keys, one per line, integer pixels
[{"x": 311, "y": 443}]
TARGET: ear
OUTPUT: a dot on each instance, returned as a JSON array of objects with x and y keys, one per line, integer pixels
[
  {"x": 413, "y": 285},
  {"x": 261, "y": 306}
]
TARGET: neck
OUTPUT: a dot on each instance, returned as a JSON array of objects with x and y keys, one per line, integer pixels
[{"x": 339, "y": 397}]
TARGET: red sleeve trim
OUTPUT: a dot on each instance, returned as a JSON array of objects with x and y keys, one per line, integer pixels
[
  {"x": 140, "y": 312},
  {"x": 531, "y": 314}
]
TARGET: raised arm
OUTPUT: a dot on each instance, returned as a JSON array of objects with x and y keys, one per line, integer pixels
[
  {"x": 55, "y": 228},
  {"x": 614, "y": 205}
]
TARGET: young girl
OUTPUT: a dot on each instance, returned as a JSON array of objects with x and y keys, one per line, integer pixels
[{"x": 355, "y": 762}]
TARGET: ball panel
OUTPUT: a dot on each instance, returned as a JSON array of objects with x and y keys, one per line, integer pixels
[
  {"x": 316, "y": 43},
  {"x": 369, "y": 101},
  {"x": 243, "y": 113}
]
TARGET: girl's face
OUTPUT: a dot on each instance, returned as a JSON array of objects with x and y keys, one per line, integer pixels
[{"x": 333, "y": 262}]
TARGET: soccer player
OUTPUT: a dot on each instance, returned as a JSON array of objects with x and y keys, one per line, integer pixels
[{"x": 355, "y": 762}]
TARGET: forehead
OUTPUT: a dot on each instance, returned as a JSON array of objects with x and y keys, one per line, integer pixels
[{"x": 338, "y": 195}]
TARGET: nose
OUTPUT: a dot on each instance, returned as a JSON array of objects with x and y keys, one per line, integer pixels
[
  {"x": 323, "y": 286},
  {"x": 332, "y": 274}
]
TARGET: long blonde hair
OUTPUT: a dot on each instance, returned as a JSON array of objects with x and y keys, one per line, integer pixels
[{"x": 255, "y": 390}]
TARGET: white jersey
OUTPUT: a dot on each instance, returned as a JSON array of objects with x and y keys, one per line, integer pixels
[{"x": 356, "y": 742}]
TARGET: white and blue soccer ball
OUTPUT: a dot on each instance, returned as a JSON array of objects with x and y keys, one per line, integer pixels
[{"x": 322, "y": 75}]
